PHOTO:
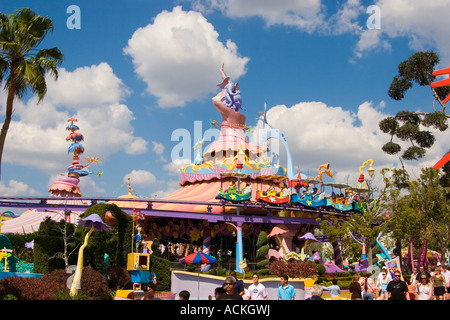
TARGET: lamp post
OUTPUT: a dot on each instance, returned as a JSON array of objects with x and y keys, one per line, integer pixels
[
  {"x": 371, "y": 172},
  {"x": 363, "y": 184}
]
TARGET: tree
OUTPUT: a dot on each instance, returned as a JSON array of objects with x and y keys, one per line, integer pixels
[
  {"x": 22, "y": 65},
  {"x": 424, "y": 213},
  {"x": 261, "y": 254},
  {"x": 363, "y": 227},
  {"x": 406, "y": 125}
]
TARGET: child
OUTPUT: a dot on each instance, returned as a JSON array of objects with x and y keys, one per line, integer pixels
[{"x": 184, "y": 295}]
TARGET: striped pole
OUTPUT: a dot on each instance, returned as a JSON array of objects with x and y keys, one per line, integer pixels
[
  {"x": 206, "y": 247},
  {"x": 337, "y": 254}
]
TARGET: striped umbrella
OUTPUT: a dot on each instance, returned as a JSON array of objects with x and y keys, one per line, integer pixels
[{"x": 198, "y": 257}]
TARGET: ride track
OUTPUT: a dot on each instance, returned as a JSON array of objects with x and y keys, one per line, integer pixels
[{"x": 40, "y": 204}]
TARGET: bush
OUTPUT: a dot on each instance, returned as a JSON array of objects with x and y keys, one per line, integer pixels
[
  {"x": 53, "y": 286},
  {"x": 25, "y": 289},
  {"x": 294, "y": 269},
  {"x": 118, "y": 278},
  {"x": 263, "y": 272},
  {"x": 262, "y": 250},
  {"x": 115, "y": 243},
  {"x": 320, "y": 268},
  {"x": 48, "y": 241},
  {"x": 94, "y": 285},
  {"x": 160, "y": 267}
]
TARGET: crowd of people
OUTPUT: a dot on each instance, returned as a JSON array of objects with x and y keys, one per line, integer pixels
[{"x": 433, "y": 284}]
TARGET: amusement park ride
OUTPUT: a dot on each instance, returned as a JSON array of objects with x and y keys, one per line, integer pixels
[{"x": 232, "y": 182}]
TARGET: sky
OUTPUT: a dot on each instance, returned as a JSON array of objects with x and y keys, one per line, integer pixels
[{"x": 139, "y": 76}]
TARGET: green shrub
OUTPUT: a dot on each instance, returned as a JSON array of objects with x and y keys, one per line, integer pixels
[
  {"x": 262, "y": 250},
  {"x": 320, "y": 268},
  {"x": 160, "y": 267},
  {"x": 115, "y": 243},
  {"x": 48, "y": 242}
]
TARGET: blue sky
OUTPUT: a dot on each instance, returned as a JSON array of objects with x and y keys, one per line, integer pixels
[{"x": 138, "y": 70}]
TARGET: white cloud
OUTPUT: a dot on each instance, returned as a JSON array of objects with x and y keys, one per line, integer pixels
[
  {"x": 421, "y": 22},
  {"x": 311, "y": 16},
  {"x": 173, "y": 167},
  {"x": 346, "y": 19},
  {"x": 70, "y": 89},
  {"x": 92, "y": 95},
  {"x": 158, "y": 148},
  {"x": 179, "y": 56},
  {"x": 370, "y": 41},
  {"x": 307, "y": 15},
  {"x": 140, "y": 178},
  {"x": 318, "y": 134},
  {"x": 16, "y": 188}
]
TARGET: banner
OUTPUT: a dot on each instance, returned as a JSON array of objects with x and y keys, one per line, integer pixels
[{"x": 394, "y": 265}]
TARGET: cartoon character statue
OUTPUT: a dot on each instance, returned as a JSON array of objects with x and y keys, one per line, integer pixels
[
  {"x": 138, "y": 238},
  {"x": 232, "y": 96},
  {"x": 198, "y": 152}
]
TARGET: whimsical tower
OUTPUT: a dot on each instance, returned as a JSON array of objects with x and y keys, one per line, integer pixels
[{"x": 67, "y": 186}]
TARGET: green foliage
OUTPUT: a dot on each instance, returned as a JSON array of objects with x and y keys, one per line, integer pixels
[
  {"x": 417, "y": 69},
  {"x": 406, "y": 125},
  {"x": 413, "y": 153},
  {"x": 22, "y": 64},
  {"x": 262, "y": 250},
  {"x": 400, "y": 178},
  {"x": 160, "y": 267},
  {"x": 262, "y": 239},
  {"x": 389, "y": 125},
  {"x": 48, "y": 242},
  {"x": 116, "y": 243},
  {"x": 444, "y": 180},
  {"x": 423, "y": 213},
  {"x": 320, "y": 268},
  {"x": 217, "y": 269},
  {"x": 437, "y": 120},
  {"x": 155, "y": 247},
  {"x": 391, "y": 148},
  {"x": 18, "y": 243}
]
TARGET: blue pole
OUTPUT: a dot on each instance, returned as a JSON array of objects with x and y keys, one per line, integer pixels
[{"x": 240, "y": 256}]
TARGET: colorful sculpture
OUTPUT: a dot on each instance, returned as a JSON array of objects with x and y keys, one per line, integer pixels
[
  {"x": 94, "y": 223},
  {"x": 67, "y": 186},
  {"x": 232, "y": 95}
]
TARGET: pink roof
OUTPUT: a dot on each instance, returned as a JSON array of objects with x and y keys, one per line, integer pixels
[{"x": 30, "y": 220}]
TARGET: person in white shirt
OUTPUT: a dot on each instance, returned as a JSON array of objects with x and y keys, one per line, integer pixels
[
  {"x": 446, "y": 273},
  {"x": 256, "y": 291}
]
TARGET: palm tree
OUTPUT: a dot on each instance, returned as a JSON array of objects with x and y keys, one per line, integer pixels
[{"x": 22, "y": 65}]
